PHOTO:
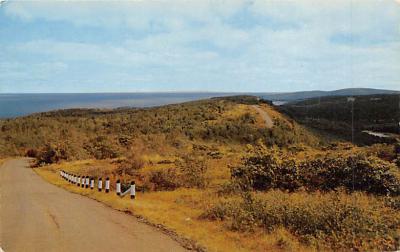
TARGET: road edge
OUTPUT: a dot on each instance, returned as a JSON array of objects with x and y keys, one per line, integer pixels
[{"x": 183, "y": 241}]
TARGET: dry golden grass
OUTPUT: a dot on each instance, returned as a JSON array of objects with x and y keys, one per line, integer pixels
[
  {"x": 2, "y": 160},
  {"x": 235, "y": 112},
  {"x": 179, "y": 211}
]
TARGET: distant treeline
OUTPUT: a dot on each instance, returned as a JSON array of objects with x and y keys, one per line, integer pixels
[{"x": 338, "y": 114}]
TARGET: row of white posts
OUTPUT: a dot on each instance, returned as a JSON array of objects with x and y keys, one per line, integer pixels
[{"x": 86, "y": 182}]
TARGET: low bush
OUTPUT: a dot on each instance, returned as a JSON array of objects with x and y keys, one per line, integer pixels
[
  {"x": 341, "y": 221},
  {"x": 32, "y": 153},
  {"x": 192, "y": 171},
  {"x": 130, "y": 166},
  {"x": 101, "y": 148},
  {"x": 51, "y": 154},
  {"x": 393, "y": 202},
  {"x": 165, "y": 179},
  {"x": 357, "y": 172},
  {"x": 266, "y": 169}
]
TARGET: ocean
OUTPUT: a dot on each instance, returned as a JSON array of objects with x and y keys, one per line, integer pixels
[{"x": 15, "y": 105}]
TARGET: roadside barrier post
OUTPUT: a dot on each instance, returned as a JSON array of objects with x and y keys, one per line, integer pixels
[
  {"x": 79, "y": 181},
  {"x": 107, "y": 185},
  {"x": 83, "y": 182},
  {"x": 133, "y": 190},
  {"x": 100, "y": 184},
  {"x": 91, "y": 183},
  {"x": 118, "y": 187},
  {"x": 87, "y": 182},
  {"x": 75, "y": 179}
]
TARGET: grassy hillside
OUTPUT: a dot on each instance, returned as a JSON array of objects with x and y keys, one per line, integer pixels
[
  {"x": 81, "y": 134},
  {"x": 225, "y": 180}
]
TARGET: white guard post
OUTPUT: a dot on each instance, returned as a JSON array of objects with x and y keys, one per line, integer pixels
[
  {"x": 133, "y": 190},
  {"x": 118, "y": 187},
  {"x": 91, "y": 183},
  {"x": 100, "y": 185},
  {"x": 107, "y": 185}
]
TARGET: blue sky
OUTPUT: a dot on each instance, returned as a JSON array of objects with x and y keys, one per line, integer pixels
[{"x": 199, "y": 45}]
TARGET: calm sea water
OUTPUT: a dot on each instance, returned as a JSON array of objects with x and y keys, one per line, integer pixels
[{"x": 14, "y": 105}]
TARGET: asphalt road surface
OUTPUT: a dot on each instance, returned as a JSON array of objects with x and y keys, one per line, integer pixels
[{"x": 38, "y": 216}]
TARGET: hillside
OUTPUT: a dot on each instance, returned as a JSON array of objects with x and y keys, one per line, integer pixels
[
  {"x": 378, "y": 113},
  {"x": 88, "y": 133},
  {"x": 293, "y": 96},
  {"x": 214, "y": 172}
]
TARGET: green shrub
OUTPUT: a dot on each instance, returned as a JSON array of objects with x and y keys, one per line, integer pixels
[
  {"x": 268, "y": 169},
  {"x": 130, "y": 165},
  {"x": 51, "y": 154},
  {"x": 265, "y": 171},
  {"x": 166, "y": 179},
  {"x": 356, "y": 172},
  {"x": 101, "y": 148},
  {"x": 192, "y": 171}
]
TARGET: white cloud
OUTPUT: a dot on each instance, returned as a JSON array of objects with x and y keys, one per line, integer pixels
[{"x": 289, "y": 44}]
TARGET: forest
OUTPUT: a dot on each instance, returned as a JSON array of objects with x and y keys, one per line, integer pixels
[{"x": 339, "y": 114}]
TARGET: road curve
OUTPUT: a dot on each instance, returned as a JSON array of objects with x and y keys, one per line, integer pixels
[
  {"x": 268, "y": 121},
  {"x": 38, "y": 216}
]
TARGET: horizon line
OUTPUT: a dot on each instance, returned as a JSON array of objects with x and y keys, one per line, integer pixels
[{"x": 198, "y": 92}]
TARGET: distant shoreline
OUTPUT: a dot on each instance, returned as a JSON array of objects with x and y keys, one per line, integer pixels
[{"x": 17, "y": 105}]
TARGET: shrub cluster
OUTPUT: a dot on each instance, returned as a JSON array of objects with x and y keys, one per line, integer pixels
[
  {"x": 338, "y": 220},
  {"x": 50, "y": 154},
  {"x": 130, "y": 165},
  {"x": 270, "y": 169},
  {"x": 164, "y": 180},
  {"x": 190, "y": 172},
  {"x": 101, "y": 148}
]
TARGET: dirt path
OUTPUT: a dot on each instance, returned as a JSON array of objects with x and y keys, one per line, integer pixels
[
  {"x": 268, "y": 121},
  {"x": 37, "y": 216}
]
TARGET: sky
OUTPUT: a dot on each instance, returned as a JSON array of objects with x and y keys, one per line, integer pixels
[{"x": 198, "y": 45}]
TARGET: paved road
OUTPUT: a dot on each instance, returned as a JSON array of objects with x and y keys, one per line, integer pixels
[
  {"x": 268, "y": 121},
  {"x": 38, "y": 216}
]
